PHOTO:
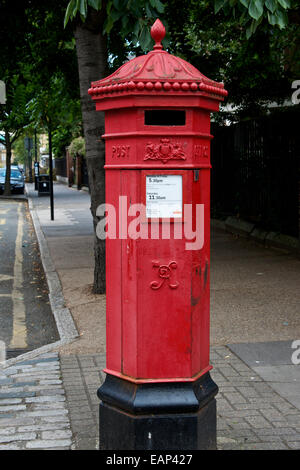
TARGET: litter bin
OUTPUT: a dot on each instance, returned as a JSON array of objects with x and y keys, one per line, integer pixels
[{"x": 43, "y": 185}]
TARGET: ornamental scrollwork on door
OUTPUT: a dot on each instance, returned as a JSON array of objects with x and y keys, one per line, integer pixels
[
  {"x": 164, "y": 272},
  {"x": 165, "y": 151}
]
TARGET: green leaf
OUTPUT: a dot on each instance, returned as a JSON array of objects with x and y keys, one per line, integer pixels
[
  {"x": 116, "y": 15},
  {"x": 108, "y": 24},
  {"x": 125, "y": 21},
  {"x": 158, "y": 6},
  {"x": 282, "y": 19},
  {"x": 117, "y": 4},
  {"x": 245, "y": 3},
  {"x": 256, "y": 9},
  {"x": 251, "y": 30},
  {"x": 109, "y": 7},
  {"x": 248, "y": 32},
  {"x": 285, "y": 4},
  {"x": 149, "y": 11},
  {"x": 96, "y": 4},
  {"x": 219, "y": 4},
  {"x": 256, "y": 24},
  {"x": 83, "y": 8},
  {"x": 69, "y": 11},
  {"x": 77, "y": 8},
  {"x": 272, "y": 19},
  {"x": 143, "y": 38},
  {"x": 136, "y": 28},
  {"x": 148, "y": 41},
  {"x": 271, "y": 5}
]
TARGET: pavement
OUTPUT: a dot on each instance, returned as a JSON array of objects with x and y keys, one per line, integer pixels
[{"x": 48, "y": 396}]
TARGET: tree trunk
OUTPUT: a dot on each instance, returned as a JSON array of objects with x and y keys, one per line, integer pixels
[
  {"x": 7, "y": 191},
  {"x": 91, "y": 50}
]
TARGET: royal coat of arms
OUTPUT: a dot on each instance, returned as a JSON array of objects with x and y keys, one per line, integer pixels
[{"x": 165, "y": 151}]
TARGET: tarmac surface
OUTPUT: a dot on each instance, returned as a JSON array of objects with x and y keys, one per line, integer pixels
[
  {"x": 25, "y": 313},
  {"x": 49, "y": 401}
]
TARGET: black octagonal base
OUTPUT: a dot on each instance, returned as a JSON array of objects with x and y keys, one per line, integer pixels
[{"x": 160, "y": 416}]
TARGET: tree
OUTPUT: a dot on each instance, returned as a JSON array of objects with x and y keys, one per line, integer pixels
[
  {"x": 218, "y": 46},
  {"x": 50, "y": 109},
  {"x": 255, "y": 12},
  {"x": 20, "y": 152},
  {"x": 36, "y": 52},
  {"x": 92, "y": 23},
  {"x": 13, "y": 114},
  {"x": 14, "y": 118}
]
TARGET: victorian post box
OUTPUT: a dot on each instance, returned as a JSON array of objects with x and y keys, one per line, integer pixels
[{"x": 158, "y": 393}]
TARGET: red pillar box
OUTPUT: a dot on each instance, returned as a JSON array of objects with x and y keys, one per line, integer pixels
[{"x": 158, "y": 393}]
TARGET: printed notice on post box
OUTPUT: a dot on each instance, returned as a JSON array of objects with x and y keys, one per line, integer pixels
[{"x": 164, "y": 196}]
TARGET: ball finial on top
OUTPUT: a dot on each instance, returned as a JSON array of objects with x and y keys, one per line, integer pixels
[{"x": 158, "y": 32}]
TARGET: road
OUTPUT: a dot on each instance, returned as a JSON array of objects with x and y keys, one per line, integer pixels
[{"x": 26, "y": 318}]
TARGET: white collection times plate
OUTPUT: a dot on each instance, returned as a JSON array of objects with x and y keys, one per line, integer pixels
[{"x": 164, "y": 196}]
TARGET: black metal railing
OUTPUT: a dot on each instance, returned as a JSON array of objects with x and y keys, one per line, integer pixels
[{"x": 255, "y": 171}]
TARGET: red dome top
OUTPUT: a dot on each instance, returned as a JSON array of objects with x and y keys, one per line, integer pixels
[{"x": 158, "y": 72}]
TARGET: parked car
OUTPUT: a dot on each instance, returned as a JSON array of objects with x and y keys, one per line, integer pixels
[
  {"x": 17, "y": 183},
  {"x": 16, "y": 167}
]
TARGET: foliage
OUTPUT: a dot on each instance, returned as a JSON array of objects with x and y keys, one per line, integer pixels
[
  {"x": 14, "y": 116},
  {"x": 53, "y": 109},
  {"x": 253, "y": 75},
  {"x": 19, "y": 150},
  {"x": 38, "y": 64},
  {"x": 77, "y": 147},
  {"x": 61, "y": 137},
  {"x": 232, "y": 52},
  {"x": 254, "y": 12},
  {"x": 51, "y": 47},
  {"x": 132, "y": 19}
]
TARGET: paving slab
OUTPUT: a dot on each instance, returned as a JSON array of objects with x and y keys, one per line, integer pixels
[
  {"x": 273, "y": 363},
  {"x": 264, "y": 353}
]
